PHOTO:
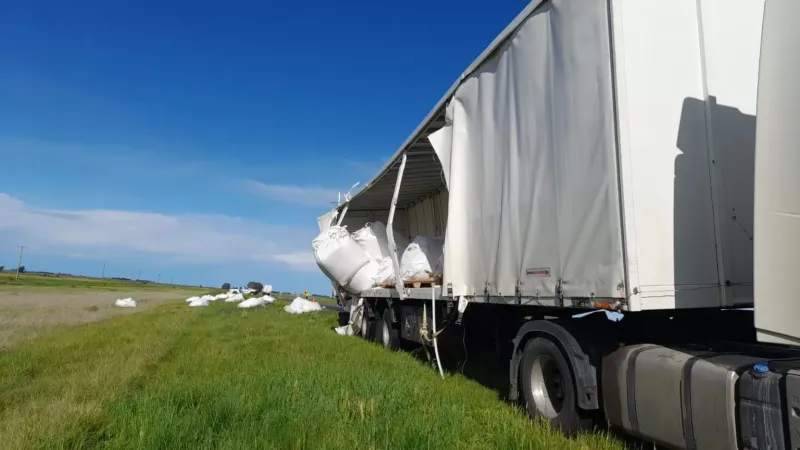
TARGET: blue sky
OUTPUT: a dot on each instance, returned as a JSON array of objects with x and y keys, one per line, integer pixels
[{"x": 199, "y": 141}]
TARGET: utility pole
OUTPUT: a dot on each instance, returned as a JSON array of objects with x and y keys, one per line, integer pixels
[
  {"x": 158, "y": 277},
  {"x": 104, "y": 271},
  {"x": 139, "y": 275},
  {"x": 19, "y": 261}
]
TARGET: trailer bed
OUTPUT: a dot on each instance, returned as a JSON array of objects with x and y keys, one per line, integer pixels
[{"x": 425, "y": 294}]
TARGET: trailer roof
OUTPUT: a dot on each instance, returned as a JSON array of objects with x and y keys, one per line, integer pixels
[{"x": 423, "y": 172}]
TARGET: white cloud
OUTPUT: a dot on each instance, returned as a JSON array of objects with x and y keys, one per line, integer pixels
[
  {"x": 189, "y": 238},
  {"x": 304, "y": 195},
  {"x": 300, "y": 260}
]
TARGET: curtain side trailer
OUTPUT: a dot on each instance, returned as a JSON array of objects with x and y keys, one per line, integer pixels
[{"x": 632, "y": 160}]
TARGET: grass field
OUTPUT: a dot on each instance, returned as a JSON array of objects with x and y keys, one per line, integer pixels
[
  {"x": 221, "y": 377},
  {"x": 9, "y": 281},
  {"x": 33, "y": 304}
]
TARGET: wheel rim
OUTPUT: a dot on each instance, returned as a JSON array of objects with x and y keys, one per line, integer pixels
[{"x": 547, "y": 384}]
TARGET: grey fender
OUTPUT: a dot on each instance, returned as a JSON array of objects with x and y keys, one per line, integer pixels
[{"x": 583, "y": 369}]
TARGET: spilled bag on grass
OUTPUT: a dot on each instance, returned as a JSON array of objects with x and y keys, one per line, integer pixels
[{"x": 300, "y": 305}]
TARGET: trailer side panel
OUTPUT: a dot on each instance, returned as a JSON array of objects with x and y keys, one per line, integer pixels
[{"x": 534, "y": 200}]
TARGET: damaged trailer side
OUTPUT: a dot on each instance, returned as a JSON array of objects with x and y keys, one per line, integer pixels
[{"x": 524, "y": 151}]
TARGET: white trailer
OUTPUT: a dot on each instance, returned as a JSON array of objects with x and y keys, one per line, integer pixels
[{"x": 602, "y": 155}]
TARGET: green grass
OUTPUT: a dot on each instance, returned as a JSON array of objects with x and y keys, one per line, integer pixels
[
  {"x": 221, "y": 377},
  {"x": 9, "y": 280}
]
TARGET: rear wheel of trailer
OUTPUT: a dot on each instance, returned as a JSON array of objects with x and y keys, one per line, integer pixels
[{"x": 386, "y": 333}]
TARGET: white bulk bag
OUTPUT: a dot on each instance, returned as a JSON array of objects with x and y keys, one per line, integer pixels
[
  {"x": 268, "y": 299},
  {"x": 125, "y": 303},
  {"x": 198, "y": 302},
  {"x": 421, "y": 257},
  {"x": 222, "y": 296},
  {"x": 234, "y": 298},
  {"x": 300, "y": 305},
  {"x": 253, "y": 303},
  {"x": 338, "y": 255},
  {"x": 267, "y": 289},
  {"x": 191, "y": 299},
  {"x": 210, "y": 298},
  {"x": 363, "y": 279},
  {"x": 373, "y": 238},
  {"x": 385, "y": 273}
]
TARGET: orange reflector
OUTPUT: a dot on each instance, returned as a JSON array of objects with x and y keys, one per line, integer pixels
[{"x": 603, "y": 305}]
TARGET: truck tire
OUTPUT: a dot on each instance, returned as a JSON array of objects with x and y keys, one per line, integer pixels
[
  {"x": 368, "y": 322},
  {"x": 385, "y": 332},
  {"x": 549, "y": 387}
]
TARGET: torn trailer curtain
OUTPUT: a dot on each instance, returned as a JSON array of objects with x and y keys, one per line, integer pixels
[{"x": 530, "y": 162}]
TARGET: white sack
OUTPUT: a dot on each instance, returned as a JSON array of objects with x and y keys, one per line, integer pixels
[
  {"x": 191, "y": 299},
  {"x": 222, "y": 296},
  {"x": 234, "y": 298},
  {"x": 210, "y": 298},
  {"x": 363, "y": 279},
  {"x": 374, "y": 239},
  {"x": 338, "y": 255},
  {"x": 267, "y": 289},
  {"x": 385, "y": 273},
  {"x": 268, "y": 299},
  {"x": 125, "y": 303},
  {"x": 198, "y": 302},
  {"x": 421, "y": 257},
  {"x": 252, "y": 303},
  {"x": 300, "y": 305}
]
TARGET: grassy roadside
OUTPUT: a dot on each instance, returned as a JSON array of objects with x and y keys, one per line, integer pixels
[{"x": 221, "y": 377}]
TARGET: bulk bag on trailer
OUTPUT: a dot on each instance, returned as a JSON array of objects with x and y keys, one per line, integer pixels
[
  {"x": 338, "y": 255},
  {"x": 374, "y": 240},
  {"x": 421, "y": 257},
  {"x": 363, "y": 279}
]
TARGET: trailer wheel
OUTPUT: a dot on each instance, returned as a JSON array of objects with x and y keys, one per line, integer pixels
[
  {"x": 368, "y": 322},
  {"x": 385, "y": 333},
  {"x": 549, "y": 387}
]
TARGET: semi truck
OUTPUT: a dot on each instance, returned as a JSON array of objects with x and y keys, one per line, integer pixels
[{"x": 634, "y": 160}]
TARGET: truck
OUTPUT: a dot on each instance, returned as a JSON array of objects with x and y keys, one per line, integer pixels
[{"x": 616, "y": 185}]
